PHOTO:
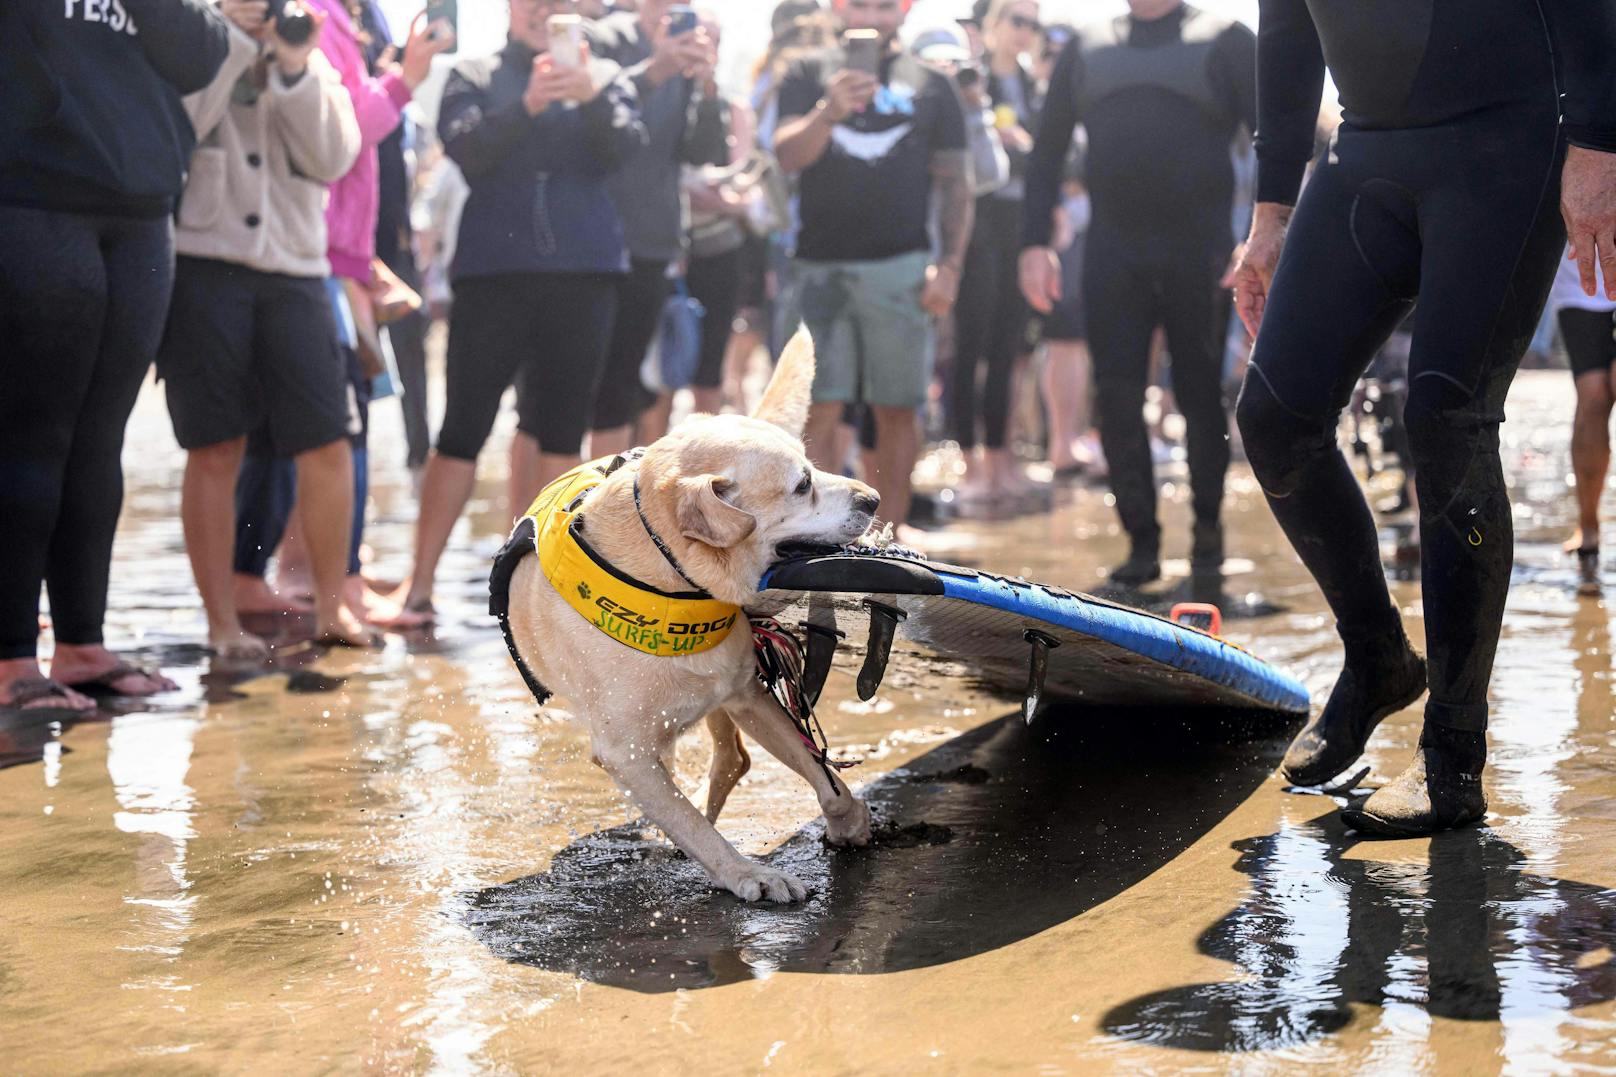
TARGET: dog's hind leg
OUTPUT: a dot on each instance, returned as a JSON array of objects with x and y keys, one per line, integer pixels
[
  {"x": 645, "y": 779},
  {"x": 730, "y": 762},
  {"x": 847, "y": 818}
]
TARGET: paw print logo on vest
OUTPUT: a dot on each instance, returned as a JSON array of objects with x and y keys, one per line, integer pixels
[{"x": 583, "y": 591}]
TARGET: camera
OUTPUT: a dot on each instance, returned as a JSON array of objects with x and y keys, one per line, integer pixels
[
  {"x": 293, "y": 24},
  {"x": 968, "y": 76}
]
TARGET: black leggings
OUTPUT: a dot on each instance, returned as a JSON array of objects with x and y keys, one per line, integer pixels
[
  {"x": 640, "y": 297},
  {"x": 1131, "y": 284},
  {"x": 1590, "y": 339},
  {"x": 549, "y": 329},
  {"x": 1463, "y": 217},
  {"x": 82, "y": 303},
  {"x": 990, "y": 322},
  {"x": 716, "y": 282}
]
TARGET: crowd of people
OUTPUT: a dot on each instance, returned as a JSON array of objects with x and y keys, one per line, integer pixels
[{"x": 242, "y": 191}]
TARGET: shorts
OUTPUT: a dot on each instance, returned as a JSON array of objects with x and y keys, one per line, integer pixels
[
  {"x": 545, "y": 332},
  {"x": 1589, "y": 337},
  {"x": 640, "y": 298},
  {"x": 244, "y": 348},
  {"x": 1067, "y": 321},
  {"x": 872, "y": 341}
]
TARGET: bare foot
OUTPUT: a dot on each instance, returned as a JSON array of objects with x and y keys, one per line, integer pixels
[
  {"x": 236, "y": 644},
  {"x": 78, "y": 667},
  {"x": 253, "y": 594},
  {"x": 401, "y": 612},
  {"x": 344, "y": 630},
  {"x": 1574, "y": 543}
]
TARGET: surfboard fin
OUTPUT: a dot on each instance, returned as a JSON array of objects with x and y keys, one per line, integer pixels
[
  {"x": 1037, "y": 669},
  {"x": 822, "y": 635},
  {"x": 884, "y": 621}
]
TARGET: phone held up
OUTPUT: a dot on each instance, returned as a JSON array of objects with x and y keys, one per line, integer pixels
[
  {"x": 441, "y": 16},
  {"x": 681, "y": 20},
  {"x": 566, "y": 33},
  {"x": 863, "y": 51}
]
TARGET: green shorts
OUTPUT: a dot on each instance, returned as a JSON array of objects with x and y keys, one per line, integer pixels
[{"x": 873, "y": 344}]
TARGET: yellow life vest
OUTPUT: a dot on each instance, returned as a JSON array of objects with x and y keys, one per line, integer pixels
[{"x": 656, "y": 622}]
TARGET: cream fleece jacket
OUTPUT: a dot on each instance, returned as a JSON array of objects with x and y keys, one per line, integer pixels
[{"x": 256, "y": 191}]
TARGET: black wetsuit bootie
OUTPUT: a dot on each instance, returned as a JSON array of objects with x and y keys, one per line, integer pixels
[
  {"x": 1441, "y": 789},
  {"x": 1382, "y": 675},
  {"x": 1206, "y": 548},
  {"x": 1140, "y": 568}
]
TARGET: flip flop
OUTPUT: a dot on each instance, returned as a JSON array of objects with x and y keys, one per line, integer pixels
[
  {"x": 102, "y": 684},
  {"x": 29, "y": 690}
]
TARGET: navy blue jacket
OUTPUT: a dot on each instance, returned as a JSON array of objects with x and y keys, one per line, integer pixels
[
  {"x": 90, "y": 114},
  {"x": 538, "y": 201}
]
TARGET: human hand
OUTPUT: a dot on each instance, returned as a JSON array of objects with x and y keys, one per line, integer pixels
[
  {"x": 293, "y": 60},
  {"x": 1040, "y": 275},
  {"x": 551, "y": 82},
  {"x": 1015, "y": 138},
  {"x": 679, "y": 54},
  {"x": 1251, "y": 269},
  {"x": 1588, "y": 204},
  {"x": 425, "y": 41},
  {"x": 941, "y": 289},
  {"x": 848, "y": 91},
  {"x": 248, "y": 15}
]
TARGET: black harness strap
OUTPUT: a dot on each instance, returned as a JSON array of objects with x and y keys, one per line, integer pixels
[{"x": 518, "y": 546}]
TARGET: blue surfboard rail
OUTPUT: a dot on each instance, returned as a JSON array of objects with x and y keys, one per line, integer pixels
[{"x": 1150, "y": 637}]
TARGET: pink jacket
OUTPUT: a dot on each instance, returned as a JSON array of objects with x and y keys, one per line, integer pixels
[{"x": 350, "y": 214}]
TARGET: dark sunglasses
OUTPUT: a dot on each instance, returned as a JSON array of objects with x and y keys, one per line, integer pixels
[{"x": 1021, "y": 22}]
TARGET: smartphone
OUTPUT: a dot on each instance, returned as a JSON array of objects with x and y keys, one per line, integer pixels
[
  {"x": 566, "y": 33},
  {"x": 681, "y": 20},
  {"x": 863, "y": 48},
  {"x": 968, "y": 76},
  {"x": 444, "y": 13}
]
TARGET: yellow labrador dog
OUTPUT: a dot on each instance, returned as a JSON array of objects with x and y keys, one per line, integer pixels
[{"x": 705, "y": 507}]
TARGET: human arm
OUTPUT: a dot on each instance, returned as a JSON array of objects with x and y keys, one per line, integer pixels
[
  {"x": 1039, "y": 269},
  {"x": 1233, "y": 72},
  {"x": 1585, "y": 32},
  {"x": 955, "y": 199},
  {"x": 613, "y": 128},
  {"x": 185, "y": 41},
  {"x": 707, "y": 134},
  {"x": 476, "y": 135},
  {"x": 206, "y": 107},
  {"x": 313, "y": 116},
  {"x": 808, "y": 112}
]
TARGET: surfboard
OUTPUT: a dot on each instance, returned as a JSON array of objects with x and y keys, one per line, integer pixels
[{"x": 1024, "y": 639}]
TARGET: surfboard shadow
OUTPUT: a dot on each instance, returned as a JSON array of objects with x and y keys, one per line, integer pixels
[
  {"x": 1467, "y": 936},
  {"x": 988, "y": 839}
]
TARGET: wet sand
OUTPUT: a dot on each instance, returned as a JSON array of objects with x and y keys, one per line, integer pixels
[{"x": 393, "y": 862}]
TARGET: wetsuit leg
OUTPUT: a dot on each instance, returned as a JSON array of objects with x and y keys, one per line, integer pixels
[
  {"x": 1006, "y": 342},
  {"x": 1120, "y": 302},
  {"x": 1492, "y": 245},
  {"x": 1192, "y": 306},
  {"x": 1346, "y": 278},
  {"x": 973, "y": 332}
]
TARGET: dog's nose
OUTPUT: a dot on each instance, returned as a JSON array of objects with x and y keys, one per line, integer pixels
[{"x": 867, "y": 502}]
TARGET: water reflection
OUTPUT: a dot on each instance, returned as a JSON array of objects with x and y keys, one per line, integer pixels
[
  {"x": 1467, "y": 935},
  {"x": 991, "y": 838}
]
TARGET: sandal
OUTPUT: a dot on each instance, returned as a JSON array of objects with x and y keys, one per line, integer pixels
[
  {"x": 27, "y": 692},
  {"x": 105, "y": 684}
]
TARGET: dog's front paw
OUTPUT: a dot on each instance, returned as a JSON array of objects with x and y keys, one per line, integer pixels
[
  {"x": 750, "y": 881},
  {"x": 850, "y": 827}
]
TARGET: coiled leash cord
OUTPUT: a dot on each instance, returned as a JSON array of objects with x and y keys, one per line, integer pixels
[{"x": 780, "y": 669}]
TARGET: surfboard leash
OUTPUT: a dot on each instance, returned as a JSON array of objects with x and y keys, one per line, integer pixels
[{"x": 780, "y": 669}]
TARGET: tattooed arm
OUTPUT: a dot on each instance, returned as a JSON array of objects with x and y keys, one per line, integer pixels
[{"x": 952, "y": 187}]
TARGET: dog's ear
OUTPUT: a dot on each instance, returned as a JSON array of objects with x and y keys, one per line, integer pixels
[
  {"x": 785, "y": 401},
  {"x": 704, "y": 515}
]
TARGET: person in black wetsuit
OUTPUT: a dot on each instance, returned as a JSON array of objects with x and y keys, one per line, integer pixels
[
  {"x": 1440, "y": 186},
  {"x": 1161, "y": 93}
]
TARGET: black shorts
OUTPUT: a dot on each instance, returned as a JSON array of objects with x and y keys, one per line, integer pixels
[
  {"x": 243, "y": 348},
  {"x": 545, "y": 331},
  {"x": 1066, "y": 321},
  {"x": 1589, "y": 337},
  {"x": 640, "y": 297}
]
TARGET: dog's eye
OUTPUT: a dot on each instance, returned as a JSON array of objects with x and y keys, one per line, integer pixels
[{"x": 804, "y": 486}]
